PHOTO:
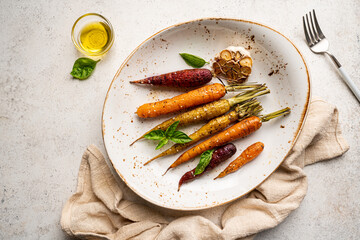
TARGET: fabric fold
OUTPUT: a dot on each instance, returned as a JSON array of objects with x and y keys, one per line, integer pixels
[{"x": 98, "y": 208}]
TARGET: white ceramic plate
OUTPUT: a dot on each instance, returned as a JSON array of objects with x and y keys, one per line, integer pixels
[{"x": 277, "y": 62}]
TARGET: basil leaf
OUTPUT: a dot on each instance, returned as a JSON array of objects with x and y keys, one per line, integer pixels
[
  {"x": 180, "y": 137},
  {"x": 155, "y": 135},
  {"x": 83, "y": 68},
  {"x": 192, "y": 60},
  {"x": 205, "y": 159},
  {"x": 162, "y": 143},
  {"x": 169, "y": 134},
  {"x": 171, "y": 129}
]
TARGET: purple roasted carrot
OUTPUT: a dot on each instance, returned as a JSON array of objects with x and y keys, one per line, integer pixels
[
  {"x": 219, "y": 155},
  {"x": 182, "y": 78}
]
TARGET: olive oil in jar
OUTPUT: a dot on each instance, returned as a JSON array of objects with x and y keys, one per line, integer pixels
[{"x": 94, "y": 37}]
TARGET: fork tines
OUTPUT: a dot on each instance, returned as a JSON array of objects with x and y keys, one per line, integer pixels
[{"x": 313, "y": 34}]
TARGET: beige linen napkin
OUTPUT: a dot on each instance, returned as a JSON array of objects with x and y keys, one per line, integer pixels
[{"x": 98, "y": 211}]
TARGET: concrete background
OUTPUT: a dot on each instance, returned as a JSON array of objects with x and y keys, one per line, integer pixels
[{"x": 47, "y": 119}]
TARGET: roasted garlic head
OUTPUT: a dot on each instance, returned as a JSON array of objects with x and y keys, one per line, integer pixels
[{"x": 234, "y": 64}]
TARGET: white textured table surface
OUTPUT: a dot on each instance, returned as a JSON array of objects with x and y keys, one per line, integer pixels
[{"x": 47, "y": 119}]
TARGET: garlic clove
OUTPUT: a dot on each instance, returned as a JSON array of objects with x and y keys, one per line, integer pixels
[
  {"x": 245, "y": 70},
  {"x": 226, "y": 55},
  {"x": 237, "y": 56},
  {"x": 222, "y": 62},
  {"x": 246, "y": 62},
  {"x": 216, "y": 68}
]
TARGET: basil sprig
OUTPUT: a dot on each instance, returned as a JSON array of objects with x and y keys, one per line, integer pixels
[
  {"x": 192, "y": 60},
  {"x": 83, "y": 68},
  {"x": 205, "y": 159},
  {"x": 169, "y": 134}
]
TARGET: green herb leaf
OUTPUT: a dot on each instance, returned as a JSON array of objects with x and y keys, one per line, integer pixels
[
  {"x": 180, "y": 137},
  {"x": 192, "y": 60},
  {"x": 162, "y": 143},
  {"x": 205, "y": 159},
  {"x": 83, "y": 68},
  {"x": 155, "y": 135},
  {"x": 171, "y": 129},
  {"x": 169, "y": 134}
]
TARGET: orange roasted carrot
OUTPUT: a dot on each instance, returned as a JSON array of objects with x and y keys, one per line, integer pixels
[
  {"x": 246, "y": 156},
  {"x": 238, "y": 130},
  {"x": 206, "y": 94},
  {"x": 195, "y": 97},
  {"x": 209, "y": 111}
]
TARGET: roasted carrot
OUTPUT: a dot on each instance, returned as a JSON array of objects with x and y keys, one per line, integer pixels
[
  {"x": 210, "y": 110},
  {"x": 239, "y": 130},
  {"x": 192, "y": 98},
  {"x": 219, "y": 155},
  {"x": 246, "y": 156},
  {"x": 245, "y": 110},
  {"x": 183, "y": 78}
]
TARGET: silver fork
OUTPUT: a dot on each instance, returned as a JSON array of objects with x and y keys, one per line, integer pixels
[{"x": 319, "y": 44}]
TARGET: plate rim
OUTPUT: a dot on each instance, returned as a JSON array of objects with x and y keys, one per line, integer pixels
[{"x": 298, "y": 130}]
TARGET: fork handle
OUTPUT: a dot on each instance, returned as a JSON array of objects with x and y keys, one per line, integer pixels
[
  {"x": 350, "y": 83},
  {"x": 345, "y": 76}
]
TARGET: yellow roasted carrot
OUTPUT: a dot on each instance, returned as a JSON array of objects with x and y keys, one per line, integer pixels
[
  {"x": 210, "y": 110},
  {"x": 247, "y": 109}
]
